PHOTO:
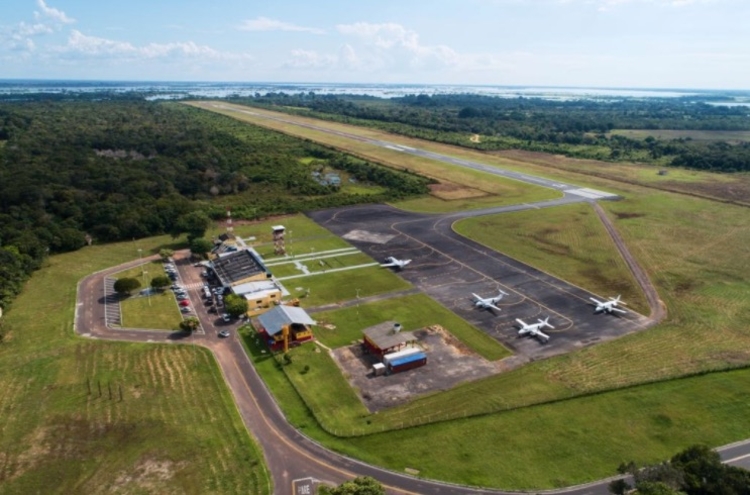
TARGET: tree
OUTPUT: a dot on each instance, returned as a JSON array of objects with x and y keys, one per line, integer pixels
[
  {"x": 124, "y": 286},
  {"x": 194, "y": 224},
  {"x": 166, "y": 253},
  {"x": 235, "y": 305},
  {"x": 160, "y": 282},
  {"x": 200, "y": 246},
  {"x": 362, "y": 485},
  {"x": 619, "y": 487},
  {"x": 190, "y": 324}
]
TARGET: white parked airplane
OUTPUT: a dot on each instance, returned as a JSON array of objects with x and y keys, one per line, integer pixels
[
  {"x": 608, "y": 306},
  {"x": 488, "y": 302},
  {"x": 535, "y": 329},
  {"x": 399, "y": 264}
]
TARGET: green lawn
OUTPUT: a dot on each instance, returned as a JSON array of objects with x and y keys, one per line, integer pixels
[
  {"x": 336, "y": 287},
  {"x": 321, "y": 264},
  {"x": 327, "y": 394},
  {"x": 568, "y": 242},
  {"x": 176, "y": 430},
  {"x": 158, "y": 311},
  {"x": 413, "y": 312}
]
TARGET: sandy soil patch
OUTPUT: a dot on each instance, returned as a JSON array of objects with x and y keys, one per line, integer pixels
[{"x": 449, "y": 191}]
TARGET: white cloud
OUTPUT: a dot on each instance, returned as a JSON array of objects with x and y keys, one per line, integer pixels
[
  {"x": 310, "y": 59},
  {"x": 266, "y": 24},
  {"x": 80, "y": 44},
  {"x": 391, "y": 44},
  {"x": 52, "y": 13}
]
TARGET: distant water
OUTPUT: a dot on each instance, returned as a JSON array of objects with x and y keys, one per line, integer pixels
[{"x": 176, "y": 90}]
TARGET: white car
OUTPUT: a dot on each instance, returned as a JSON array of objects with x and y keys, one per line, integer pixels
[{"x": 226, "y": 317}]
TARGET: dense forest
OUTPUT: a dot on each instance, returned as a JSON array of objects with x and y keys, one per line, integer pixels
[
  {"x": 577, "y": 128},
  {"x": 88, "y": 169}
]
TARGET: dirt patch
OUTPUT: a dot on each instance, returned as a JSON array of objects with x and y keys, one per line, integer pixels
[
  {"x": 449, "y": 363},
  {"x": 475, "y": 138},
  {"x": 450, "y": 191},
  {"x": 626, "y": 215},
  {"x": 148, "y": 475}
]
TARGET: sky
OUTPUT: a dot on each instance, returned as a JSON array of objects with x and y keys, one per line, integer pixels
[{"x": 698, "y": 44}]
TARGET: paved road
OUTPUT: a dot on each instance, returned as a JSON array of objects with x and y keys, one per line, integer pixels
[
  {"x": 290, "y": 455},
  {"x": 292, "y": 458}
]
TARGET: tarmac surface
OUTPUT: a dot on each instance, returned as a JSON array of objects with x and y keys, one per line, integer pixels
[{"x": 449, "y": 268}]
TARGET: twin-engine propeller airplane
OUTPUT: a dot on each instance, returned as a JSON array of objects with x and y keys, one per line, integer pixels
[
  {"x": 395, "y": 262},
  {"x": 608, "y": 306},
  {"x": 488, "y": 302},
  {"x": 535, "y": 329}
]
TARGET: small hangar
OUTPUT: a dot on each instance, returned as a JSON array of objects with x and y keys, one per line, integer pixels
[{"x": 285, "y": 325}]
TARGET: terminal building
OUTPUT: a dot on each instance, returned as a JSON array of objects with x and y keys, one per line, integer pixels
[{"x": 243, "y": 272}]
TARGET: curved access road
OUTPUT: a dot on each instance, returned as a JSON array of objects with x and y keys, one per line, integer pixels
[{"x": 292, "y": 458}]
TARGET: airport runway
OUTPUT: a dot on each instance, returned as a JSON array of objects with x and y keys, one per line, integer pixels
[{"x": 566, "y": 189}]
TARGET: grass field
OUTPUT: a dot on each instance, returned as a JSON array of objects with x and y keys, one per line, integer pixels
[
  {"x": 568, "y": 242},
  {"x": 158, "y": 311},
  {"x": 175, "y": 431},
  {"x": 337, "y": 287},
  {"x": 666, "y": 134},
  {"x": 413, "y": 312},
  {"x": 321, "y": 264}
]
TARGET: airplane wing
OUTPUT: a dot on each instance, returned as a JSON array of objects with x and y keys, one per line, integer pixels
[
  {"x": 541, "y": 335},
  {"x": 522, "y": 323},
  {"x": 597, "y": 301},
  {"x": 388, "y": 264},
  {"x": 493, "y": 307},
  {"x": 618, "y": 310}
]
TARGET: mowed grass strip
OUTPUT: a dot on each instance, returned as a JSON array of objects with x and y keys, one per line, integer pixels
[
  {"x": 570, "y": 442},
  {"x": 503, "y": 191},
  {"x": 157, "y": 311},
  {"x": 568, "y": 242},
  {"x": 413, "y": 312},
  {"x": 175, "y": 430},
  {"x": 323, "y": 387},
  {"x": 337, "y": 287}
]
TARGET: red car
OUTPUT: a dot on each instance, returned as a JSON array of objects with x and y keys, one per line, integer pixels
[{"x": 185, "y": 303}]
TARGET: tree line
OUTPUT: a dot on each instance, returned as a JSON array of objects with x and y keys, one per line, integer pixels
[
  {"x": 95, "y": 169},
  {"x": 578, "y": 128}
]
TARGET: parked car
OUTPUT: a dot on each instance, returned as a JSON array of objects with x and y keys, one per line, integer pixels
[
  {"x": 185, "y": 310},
  {"x": 226, "y": 317},
  {"x": 224, "y": 333},
  {"x": 184, "y": 302},
  {"x": 213, "y": 309}
]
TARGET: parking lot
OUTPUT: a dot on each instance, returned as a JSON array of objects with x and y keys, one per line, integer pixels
[{"x": 203, "y": 297}]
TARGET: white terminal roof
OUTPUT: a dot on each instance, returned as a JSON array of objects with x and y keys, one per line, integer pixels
[
  {"x": 280, "y": 316},
  {"x": 251, "y": 289}
]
